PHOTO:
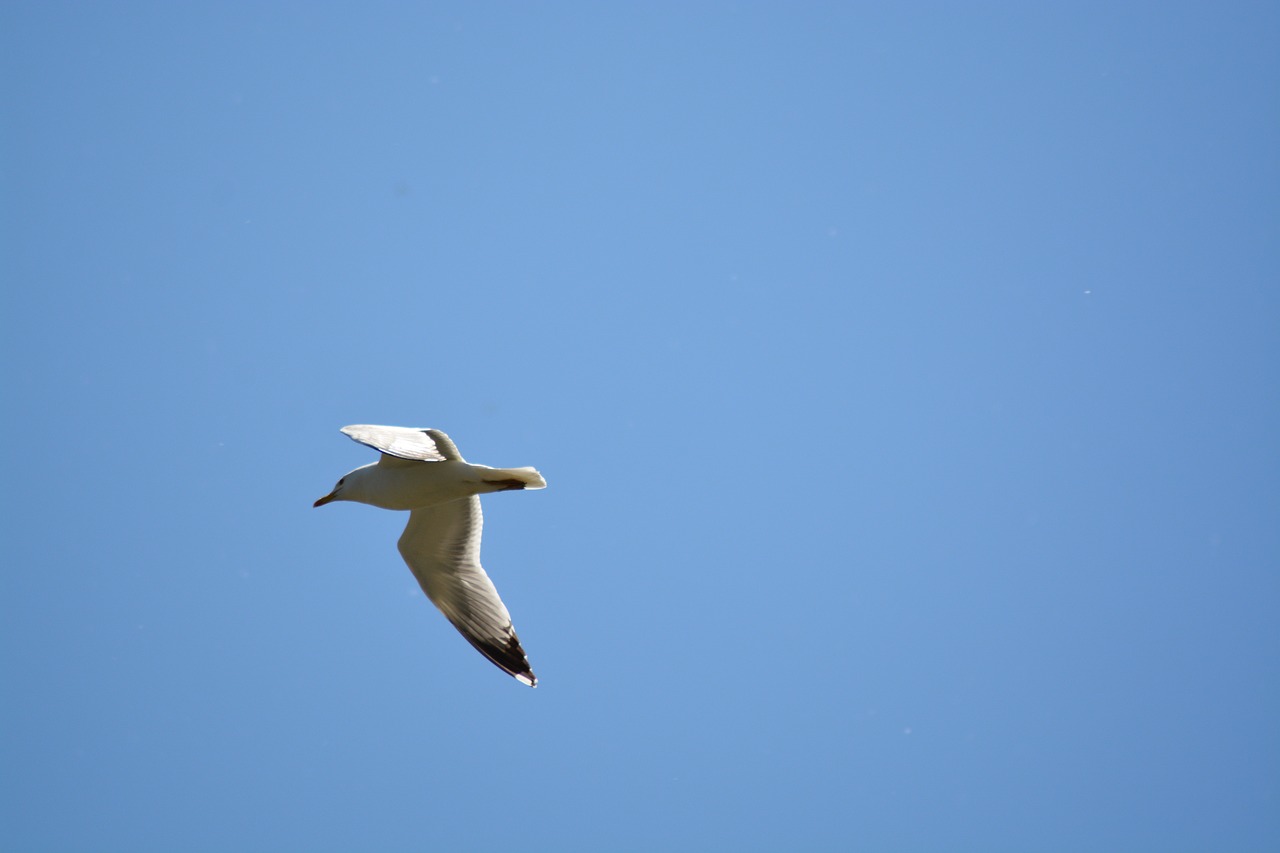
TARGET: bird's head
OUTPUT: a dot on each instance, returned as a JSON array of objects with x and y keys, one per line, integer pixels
[{"x": 335, "y": 495}]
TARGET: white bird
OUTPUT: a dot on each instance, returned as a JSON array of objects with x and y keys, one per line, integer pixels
[{"x": 421, "y": 470}]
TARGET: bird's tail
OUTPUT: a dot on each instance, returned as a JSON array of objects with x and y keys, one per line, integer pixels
[{"x": 515, "y": 478}]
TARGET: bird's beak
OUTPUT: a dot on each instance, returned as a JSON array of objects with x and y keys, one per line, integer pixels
[{"x": 324, "y": 500}]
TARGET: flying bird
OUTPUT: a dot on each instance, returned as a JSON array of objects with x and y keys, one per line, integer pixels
[{"x": 421, "y": 470}]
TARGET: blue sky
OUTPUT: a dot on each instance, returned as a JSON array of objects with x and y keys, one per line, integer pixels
[{"x": 904, "y": 375}]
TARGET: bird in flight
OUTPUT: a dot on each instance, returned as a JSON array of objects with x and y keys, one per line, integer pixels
[{"x": 421, "y": 470}]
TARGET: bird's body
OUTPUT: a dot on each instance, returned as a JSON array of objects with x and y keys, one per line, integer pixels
[
  {"x": 415, "y": 485},
  {"x": 421, "y": 471}
]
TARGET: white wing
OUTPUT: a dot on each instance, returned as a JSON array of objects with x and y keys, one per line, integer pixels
[
  {"x": 419, "y": 445},
  {"x": 441, "y": 544}
]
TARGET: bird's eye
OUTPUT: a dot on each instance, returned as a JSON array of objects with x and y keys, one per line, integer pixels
[{"x": 343, "y": 480}]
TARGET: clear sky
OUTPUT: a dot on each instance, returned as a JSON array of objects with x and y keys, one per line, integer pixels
[{"x": 906, "y": 378}]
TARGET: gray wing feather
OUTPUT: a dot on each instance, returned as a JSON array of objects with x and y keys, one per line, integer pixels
[
  {"x": 418, "y": 445},
  {"x": 441, "y": 545}
]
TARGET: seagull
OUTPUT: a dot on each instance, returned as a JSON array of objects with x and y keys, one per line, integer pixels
[{"x": 421, "y": 470}]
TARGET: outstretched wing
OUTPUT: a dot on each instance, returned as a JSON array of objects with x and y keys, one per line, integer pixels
[
  {"x": 418, "y": 445},
  {"x": 441, "y": 544}
]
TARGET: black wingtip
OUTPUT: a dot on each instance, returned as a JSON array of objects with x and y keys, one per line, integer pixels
[
  {"x": 507, "y": 485},
  {"x": 506, "y": 655}
]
